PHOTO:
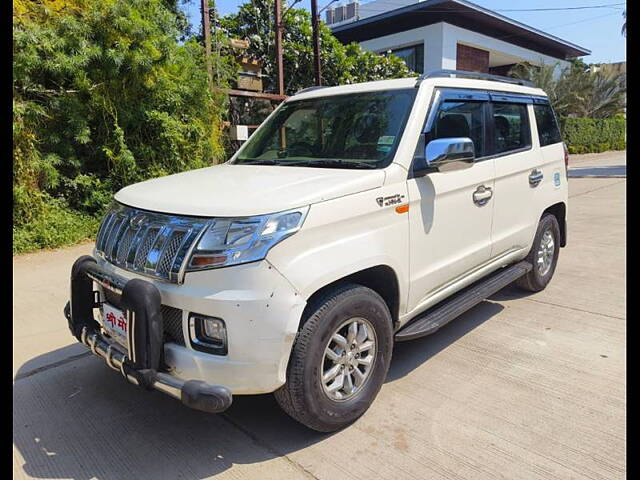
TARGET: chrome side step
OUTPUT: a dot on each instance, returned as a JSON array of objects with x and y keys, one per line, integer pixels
[{"x": 439, "y": 315}]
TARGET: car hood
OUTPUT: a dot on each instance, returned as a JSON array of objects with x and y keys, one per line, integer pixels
[{"x": 229, "y": 190}]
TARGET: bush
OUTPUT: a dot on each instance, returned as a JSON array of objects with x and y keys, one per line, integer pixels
[
  {"x": 593, "y": 135},
  {"x": 55, "y": 226},
  {"x": 105, "y": 95}
]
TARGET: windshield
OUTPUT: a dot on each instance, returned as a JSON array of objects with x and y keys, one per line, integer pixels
[{"x": 359, "y": 130}]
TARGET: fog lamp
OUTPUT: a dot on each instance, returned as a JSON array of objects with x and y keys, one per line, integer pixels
[{"x": 208, "y": 334}]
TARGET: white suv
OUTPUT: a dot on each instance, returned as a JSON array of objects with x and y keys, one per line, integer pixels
[{"x": 355, "y": 216}]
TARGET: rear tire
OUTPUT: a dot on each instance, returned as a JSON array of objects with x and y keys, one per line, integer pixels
[
  {"x": 543, "y": 255},
  {"x": 314, "y": 394}
]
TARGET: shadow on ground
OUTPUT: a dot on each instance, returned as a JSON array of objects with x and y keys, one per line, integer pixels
[
  {"x": 611, "y": 171},
  {"x": 81, "y": 420}
]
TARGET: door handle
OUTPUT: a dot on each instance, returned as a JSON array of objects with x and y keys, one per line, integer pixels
[
  {"x": 535, "y": 177},
  {"x": 482, "y": 195}
]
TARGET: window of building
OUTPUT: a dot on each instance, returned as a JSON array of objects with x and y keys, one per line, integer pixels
[
  {"x": 511, "y": 126},
  {"x": 548, "y": 131},
  {"x": 413, "y": 56},
  {"x": 461, "y": 119}
]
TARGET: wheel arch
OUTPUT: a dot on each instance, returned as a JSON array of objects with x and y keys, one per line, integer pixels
[
  {"x": 559, "y": 210},
  {"x": 382, "y": 279}
]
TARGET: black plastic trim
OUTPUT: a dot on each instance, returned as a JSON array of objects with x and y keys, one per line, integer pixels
[
  {"x": 81, "y": 303},
  {"x": 141, "y": 304},
  {"x": 141, "y": 301},
  {"x": 473, "y": 75},
  {"x": 510, "y": 98},
  {"x": 540, "y": 100},
  {"x": 442, "y": 313}
]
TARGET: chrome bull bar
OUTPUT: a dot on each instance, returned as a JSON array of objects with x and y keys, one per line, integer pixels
[
  {"x": 142, "y": 300},
  {"x": 116, "y": 359}
]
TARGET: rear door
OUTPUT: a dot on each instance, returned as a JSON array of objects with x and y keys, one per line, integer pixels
[
  {"x": 450, "y": 227},
  {"x": 518, "y": 165}
]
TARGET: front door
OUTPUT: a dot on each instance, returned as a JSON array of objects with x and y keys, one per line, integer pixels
[{"x": 451, "y": 212}]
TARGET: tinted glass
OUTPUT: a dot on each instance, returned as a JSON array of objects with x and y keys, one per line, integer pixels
[
  {"x": 548, "y": 131},
  {"x": 461, "y": 119},
  {"x": 511, "y": 122},
  {"x": 343, "y": 131},
  {"x": 412, "y": 56}
]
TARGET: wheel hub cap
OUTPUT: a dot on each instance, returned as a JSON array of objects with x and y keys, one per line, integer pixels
[
  {"x": 545, "y": 253},
  {"x": 348, "y": 359}
]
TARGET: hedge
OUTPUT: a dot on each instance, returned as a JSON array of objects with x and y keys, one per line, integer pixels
[{"x": 593, "y": 135}]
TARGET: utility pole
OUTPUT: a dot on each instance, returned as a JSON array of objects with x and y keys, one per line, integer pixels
[
  {"x": 206, "y": 37},
  {"x": 279, "y": 66},
  {"x": 315, "y": 18}
]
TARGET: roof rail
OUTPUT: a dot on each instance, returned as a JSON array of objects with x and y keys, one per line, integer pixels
[
  {"x": 308, "y": 89},
  {"x": 476, "y": 75}
]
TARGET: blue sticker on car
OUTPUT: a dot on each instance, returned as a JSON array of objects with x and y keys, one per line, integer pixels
[{"x": 556, "y": 179}]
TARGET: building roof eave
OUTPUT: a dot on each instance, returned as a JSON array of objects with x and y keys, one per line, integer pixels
[{"x": 459, "y": 13}]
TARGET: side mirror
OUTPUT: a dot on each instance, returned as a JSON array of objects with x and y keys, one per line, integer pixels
[{"x": 445, "y": 155}]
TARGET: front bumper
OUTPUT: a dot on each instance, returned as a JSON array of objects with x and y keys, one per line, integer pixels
[{"x": 144, "y": 361}]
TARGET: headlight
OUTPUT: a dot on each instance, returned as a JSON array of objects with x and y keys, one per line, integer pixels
[{"x": 230, "y": 241}]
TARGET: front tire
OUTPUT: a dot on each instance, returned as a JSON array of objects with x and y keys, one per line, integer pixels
[
  {"x": 339, "y": 360},
  {"x": 543, "y": 255}
]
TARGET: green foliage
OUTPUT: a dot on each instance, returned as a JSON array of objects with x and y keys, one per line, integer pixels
[
  {"x": 56, "y": 225},
  {"x": 592, "y": 135},
  {"x": 340, "y": 64},
  {"x": 104, "y": 95},
  {"x": 590, "y": 104},
  {"x": 577, "y": 91}
]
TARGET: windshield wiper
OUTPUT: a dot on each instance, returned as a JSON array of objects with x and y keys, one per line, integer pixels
[
  {"x": 340, "y": 164},
  {"x": 257, "y": 161},
  {"x": 322, "y": 163}
]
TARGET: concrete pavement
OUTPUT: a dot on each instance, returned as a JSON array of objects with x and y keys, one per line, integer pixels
[
  {"x": 520, "y": 387},
  {"x": 599, "y": 165}
]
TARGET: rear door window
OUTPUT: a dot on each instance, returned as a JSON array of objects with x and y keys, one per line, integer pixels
[
  {"x": 511, "y": 127},
  {"x": 548, "y": 131}
]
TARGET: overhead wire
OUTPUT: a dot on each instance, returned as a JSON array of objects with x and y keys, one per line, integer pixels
[{"x": 444, "y": 10}]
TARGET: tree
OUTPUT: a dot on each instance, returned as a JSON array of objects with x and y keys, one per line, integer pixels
[
  {"x": 578, "y": 90},
  {"x": 340, "y": 64},
  {"x": 624, "y": 25},
  {"x": 104, "y": 96}
]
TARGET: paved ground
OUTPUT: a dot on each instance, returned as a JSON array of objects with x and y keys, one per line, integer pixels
[
  {"x": 520, "y": 387},
  {"x": 599, "y": 165}
]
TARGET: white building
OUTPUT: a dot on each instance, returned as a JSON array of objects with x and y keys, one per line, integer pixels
[{"x": 447, "y": 34}]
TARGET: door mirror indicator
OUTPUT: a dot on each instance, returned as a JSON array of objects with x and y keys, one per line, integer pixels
[{"x": 444, "y": 155}]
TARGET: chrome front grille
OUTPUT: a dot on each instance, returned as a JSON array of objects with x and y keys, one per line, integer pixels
[{"x": 152, "y": 244}]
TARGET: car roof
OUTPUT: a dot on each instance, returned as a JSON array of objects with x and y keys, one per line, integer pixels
[{"x": 412, "y": 82}]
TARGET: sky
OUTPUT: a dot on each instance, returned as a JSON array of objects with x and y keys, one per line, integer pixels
[{"x": 597, "y": 29}]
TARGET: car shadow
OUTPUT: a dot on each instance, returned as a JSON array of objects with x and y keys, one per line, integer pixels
[
  {"x": 81, "y": 420},
  {"x": 510, "y": 292},
  {"x": 407, "y": 356}
]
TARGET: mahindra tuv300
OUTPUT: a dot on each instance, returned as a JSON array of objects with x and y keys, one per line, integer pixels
[{"x": 355, "y": 216}]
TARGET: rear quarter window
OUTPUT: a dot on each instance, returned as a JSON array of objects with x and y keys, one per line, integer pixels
[{"x": 548, "y": 131}]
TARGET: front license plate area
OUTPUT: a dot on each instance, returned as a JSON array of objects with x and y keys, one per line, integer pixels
[{"x": 114, "y": 322}]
